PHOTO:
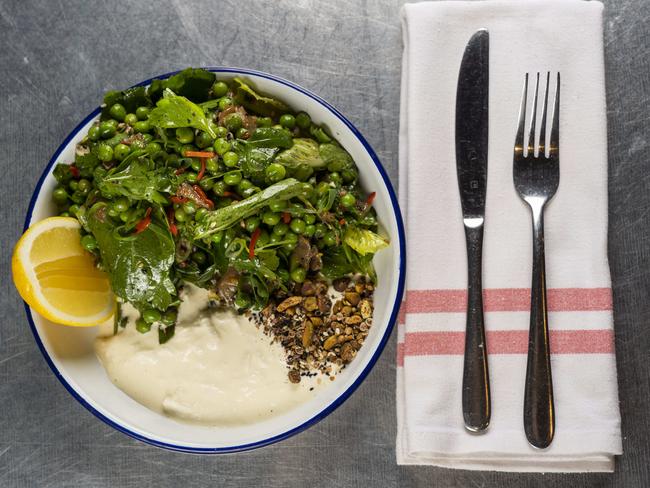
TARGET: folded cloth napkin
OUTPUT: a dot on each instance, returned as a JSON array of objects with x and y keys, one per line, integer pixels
[{"x": 537, "y": 35}]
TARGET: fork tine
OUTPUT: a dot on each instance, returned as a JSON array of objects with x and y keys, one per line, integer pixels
[
  {"x": 533, "y": 117},
  {"x": 555, "y": 129},
  {"x": 542, "y": 130},
  {"x": 519, "y": 138}
]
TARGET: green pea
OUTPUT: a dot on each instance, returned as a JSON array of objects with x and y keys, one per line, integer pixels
[
  {"x": 299, "y": 274},
  {"x": 191, "y": 177},
  {"x": 74, "y": 185},
  {"x": 60, "y": 196},
  {"x": 142, "y": 326},
  {"x": 153, "y": 147},
  {"x": 217, "y": 237},
  {"x": 329, "y": 239},
  {"x": 309, "y": 230},
  {"x": 307, "y": 190},
  {"x": 141, "y": 127},
  {"x": 203, "y": 140},
  {"x": 185, "y": 148},
  {"x": 224, "y": 103},
  {"x": 335, "y": 177},
  {"x": 189, "y": 208},
  {"x": 221, "y": 132},
  {"x": 309, "y": 218},
  {"x": 117, "y": 111},
  {"x": 280, "y": 229},
  {"x": 270, "y": 218},
  {"x": 297, "y": 225},
  {"x": 64, "y": 214},
  {"x": 185, "y": 135},
  {"x": 288, "y": 121},
  {"x": 195, "y": 164},
  {"x": 200, "y": 214},
  {"x": 303, "y": 120},
  {"x": 252, "y": 223},
  {"x": 263, "y": 239},
  {"x": 142, "y": 113},
  {"x": 349, "y": 175},
  {"x": 121, "y": 205},
  {"x": 348, "y": 200},
  {"x": 230, "y": 159},
  {"x": 221, "y": 146},
  {"x": 244, "y": 185},
  {"x": 110, "y": 123},
  {"x": 105, "y": 152},
  {"x": 74, "y": 208},
  {"x": 242, "y": 133},
  {"x": 147, "y": 138},
  {"x": 152, "y": 315},
  {"x": 127, "y": 215},
  {"x": 88, "y": 242},
  {"x": 199, "y": 257},
  {"x": 106, "y": 130},
  {"x": 180, "y": 215},
  {"x": 169, "y": 317},
  {"x": 130, "y": 119},
  {"x": 274, "y": 239},
  {"x": 93, "y": 133},
  {"x": 113, "y": 213},
  {"x": 275, "y": 172},
  {"x": 120, "y": 151},
  {"x": 277, "y": 205},
  {"x": 264, "y": 122},
  {"x": 322, "y": 188},
  {"x": 212, "y": 166},
  {"x": 206, "y": 184},
  {"x": 232, "y": 178},
  {"x": 219, "y": 89},
  {"x": 219, "y": 188},
  {"x": 233, "y": 122},
  {"x": 84, "y": 185},
  {"x": 302, "y": 172},
  {"x": 78, "y": 197}
]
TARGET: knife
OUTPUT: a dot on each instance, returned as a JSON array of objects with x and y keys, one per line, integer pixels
[{"x": 471, "y": 167}]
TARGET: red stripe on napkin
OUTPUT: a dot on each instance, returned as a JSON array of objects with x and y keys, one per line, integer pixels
[
  {"x": 597, "y": 341},
  {"x": 509, "y": 300}
]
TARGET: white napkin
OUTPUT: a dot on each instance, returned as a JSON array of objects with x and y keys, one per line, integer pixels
[{"x": 532, "y": 36}]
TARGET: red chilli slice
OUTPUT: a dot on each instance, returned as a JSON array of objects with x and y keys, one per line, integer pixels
[
  {"x": 251, "y": 246},
  {"x": 199, "y": 154},
  {"x": 286, "y": 217},
  {"x": 203, "y": 196},
  {"x": 371, "y": 198},
  {"x": 179, "y": 200},
  {"x": 202, "y": 171},
  {"x": 75, "y": 171},
  {"x": 170, "y": 220},
  {"x": 144, "y": 223}
]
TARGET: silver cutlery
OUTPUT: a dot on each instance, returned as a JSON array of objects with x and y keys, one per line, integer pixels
[
  {"x": 471, "y": 166},
  {"x": 536, "y": 175}
]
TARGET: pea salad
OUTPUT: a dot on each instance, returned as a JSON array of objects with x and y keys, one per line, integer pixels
[{"x": 206, "y": 181}]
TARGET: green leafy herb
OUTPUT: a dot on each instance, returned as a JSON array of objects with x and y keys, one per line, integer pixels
[
  {"x": 223, "y": 218},
  {"x": 335, "y": 157},
  {"x": 364, "y": 241},
  {"x": 139, "y": 266},
  {"x": 138, "y": 182},
  {"x": 194, "y": 83},
  {"x": 303, "y": 152},
  {"x": 131, "y": 98},
  {"x": 341, "y": 261},
  {"x": 250, "y": 99},
  {"x": 174, "y": 111}
]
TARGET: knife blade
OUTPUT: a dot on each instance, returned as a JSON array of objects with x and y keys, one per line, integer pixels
[{"x": 471, "y": 167}]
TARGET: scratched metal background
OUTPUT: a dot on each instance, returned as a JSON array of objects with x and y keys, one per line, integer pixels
[{"x": 56, "y": 60}]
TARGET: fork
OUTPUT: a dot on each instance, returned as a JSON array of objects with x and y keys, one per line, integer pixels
[{"x": 536, "y": 176}]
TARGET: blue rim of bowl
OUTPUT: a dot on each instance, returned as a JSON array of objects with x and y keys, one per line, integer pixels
[{"x": 339, "y": 400}]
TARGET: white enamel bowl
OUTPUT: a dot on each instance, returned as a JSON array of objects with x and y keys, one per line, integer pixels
[{"x": 69, "y": 350}]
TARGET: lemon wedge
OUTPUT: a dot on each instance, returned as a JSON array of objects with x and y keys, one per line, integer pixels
[{"x": 58, "y": 278}]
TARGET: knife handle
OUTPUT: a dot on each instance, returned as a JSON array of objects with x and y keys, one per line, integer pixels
[{"x": 476, "y": 380}]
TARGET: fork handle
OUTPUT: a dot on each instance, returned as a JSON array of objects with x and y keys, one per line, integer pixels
[
  {"x": 476, "y": 382},
  {"x": 539, "y": 410}
]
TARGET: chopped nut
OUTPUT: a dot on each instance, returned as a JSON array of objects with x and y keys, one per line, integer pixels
[
  {"x": 354, "y": 320},
  {"x": 346, "y": 311},
  {"x": 348, "y": 330},
  {"x": 365, "y": 308},
  {"x": 310, "y": 304},
  {"x": 289, "y": 302},
  {"x": 347, "y": 352},
  {"x": 341, "y": 284},
  {"x": 307, "y": 333},
  {"x": 330, "y": 342},
  {"x": 294, "y": 376},
  {"x": 359, "y": 287},
  {"x": 352, "y": 297},
  {"x": 324, "y": 303},
  {"x": 337, "y": 307},
  {"x": 340, "y": 339},
  {"x": 316, "y": 321}
]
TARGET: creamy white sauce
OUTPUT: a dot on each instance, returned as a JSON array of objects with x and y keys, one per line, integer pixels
[{"x": 218, "y": 369}]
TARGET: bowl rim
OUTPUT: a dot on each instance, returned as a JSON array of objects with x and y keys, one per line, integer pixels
[{"x": 360, "y": 378}]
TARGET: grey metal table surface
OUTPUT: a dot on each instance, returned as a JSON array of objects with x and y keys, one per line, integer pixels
[{"x": 58, "y": 58}]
